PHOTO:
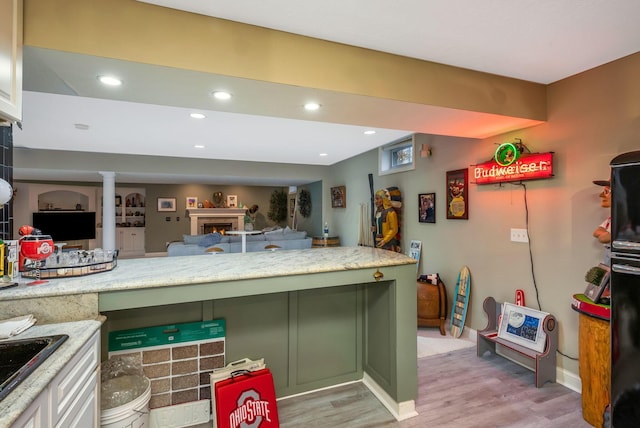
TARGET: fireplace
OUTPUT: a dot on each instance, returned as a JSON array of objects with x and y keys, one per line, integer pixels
[
  {"x": 216, "y": 227},
  {"x": 203, "y": 220}
]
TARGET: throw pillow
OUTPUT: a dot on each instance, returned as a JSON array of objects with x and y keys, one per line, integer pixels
[
  {"x": 192, "y": 239},
  {"x": 210, "y": 239}
]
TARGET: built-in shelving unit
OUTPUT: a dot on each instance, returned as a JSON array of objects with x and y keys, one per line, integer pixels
[
  {"x": 130, "y": 206},
  {"x": 32, "y": 198}
]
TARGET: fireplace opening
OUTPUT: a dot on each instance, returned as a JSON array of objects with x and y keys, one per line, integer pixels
[{"x": 221, "y": 228}]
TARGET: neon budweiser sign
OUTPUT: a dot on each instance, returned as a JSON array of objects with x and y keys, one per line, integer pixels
[{"x": 532, "y": 166}]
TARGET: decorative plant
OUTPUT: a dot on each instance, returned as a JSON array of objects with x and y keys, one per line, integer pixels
[
  {"x": 304, "y": 202},
  {"x": 278, "y": 206}
]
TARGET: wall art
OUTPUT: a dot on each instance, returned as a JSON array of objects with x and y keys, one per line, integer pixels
[
  {"x": 427, "y": 207},
  {"x": 523, "y": 326},
  {"x": 192, "y": 202},
  {"x": 166, "y": 204},
  {"x": 339, "y": 197},
  {"x": 458, "y": 194}
]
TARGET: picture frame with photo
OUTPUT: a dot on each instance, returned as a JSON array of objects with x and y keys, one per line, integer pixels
[
  {"x": 232, "y": 201},
  {"x": 166, "y": 204},
  {"x": 523, "y": 326},
  {"x": 191, "y": 202},
  {"x": 595, "y": 292},
  {"x": 427, "y": 207},
  {"x": 458, "y": 194},
  {"x": 414, "y": 251},
  {"x": 339, "y": 197}
]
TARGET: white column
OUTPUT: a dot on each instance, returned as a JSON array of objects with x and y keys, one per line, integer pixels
[{"x": 108, "y": 210}]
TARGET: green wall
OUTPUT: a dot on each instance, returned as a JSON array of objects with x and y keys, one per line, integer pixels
[{"x": 592, "y": 118}]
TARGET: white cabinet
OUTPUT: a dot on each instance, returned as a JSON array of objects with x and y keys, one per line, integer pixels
[
  {"x": 130, "y": 241},
  {"x": 37, "y": 415},
  {"x": 72, "y": 398},
  {"x": 68, "y": 386},
  {"x": 84, "y": 412},
  {"x": 11, "y": 60}
]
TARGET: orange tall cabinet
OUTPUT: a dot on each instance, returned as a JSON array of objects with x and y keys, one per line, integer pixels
[{"x": 594, "y": 360}]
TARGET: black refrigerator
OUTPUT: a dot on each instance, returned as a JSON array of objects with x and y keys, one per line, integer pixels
[{"x": 625, "y": 290}]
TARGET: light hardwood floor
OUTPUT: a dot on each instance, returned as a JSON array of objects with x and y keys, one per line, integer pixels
[{"x": 456, "y": 389}]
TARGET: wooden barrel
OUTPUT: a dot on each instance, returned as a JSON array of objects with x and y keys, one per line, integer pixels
[
  {"x": 321, "y": 241},
  {"x": 595, "y": 367}
]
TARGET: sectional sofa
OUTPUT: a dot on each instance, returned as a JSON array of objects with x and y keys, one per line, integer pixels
[{"x": 284, "y": 239}]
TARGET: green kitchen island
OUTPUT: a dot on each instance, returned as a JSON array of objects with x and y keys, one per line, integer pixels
[{"x": 319, "y": 317}]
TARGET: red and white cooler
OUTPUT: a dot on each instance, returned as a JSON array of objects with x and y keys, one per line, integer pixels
[{"x": 246, "y": 400}]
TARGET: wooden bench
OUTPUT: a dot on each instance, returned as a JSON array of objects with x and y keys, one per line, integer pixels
[{"x": 542, "y": 364}]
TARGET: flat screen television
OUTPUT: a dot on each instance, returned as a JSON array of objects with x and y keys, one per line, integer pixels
[{"x": 66, "y": 225}]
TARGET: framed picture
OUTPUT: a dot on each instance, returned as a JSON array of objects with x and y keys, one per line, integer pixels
[
  {"x": 166, "y": 204},
  {"x": 232, "y": 201},
  {"x": 118, "y": 201},
  {"x": 523, "y": 326},
  {"x": 458, "y": 194},
  {"x": 595, "y": 292},
  {"x": 192, "y": 202},
  {"x": 414, "y": 251},
  {"x": 427, "y": 207},
  {"x": 339, "y": 197}
]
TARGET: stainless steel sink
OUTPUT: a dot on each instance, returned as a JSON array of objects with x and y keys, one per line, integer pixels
[{"x": 20, "y": 357}]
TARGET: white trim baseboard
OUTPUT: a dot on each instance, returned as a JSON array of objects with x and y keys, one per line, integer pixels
[
  {"x": 400, "y": 410},
  {"x": 569, "y": 380}
]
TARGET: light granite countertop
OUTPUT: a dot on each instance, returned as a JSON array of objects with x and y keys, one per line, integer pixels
[
  {"x": 79, "y": 332},
  {"x": 156, "y": 272},
  {"x": 210, "y": 268}
]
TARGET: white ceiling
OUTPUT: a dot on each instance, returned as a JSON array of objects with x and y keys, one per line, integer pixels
[{"x": 537, "y": 40}]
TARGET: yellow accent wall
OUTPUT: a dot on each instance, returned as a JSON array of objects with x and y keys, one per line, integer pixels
[{"x": 135, "y": 31}]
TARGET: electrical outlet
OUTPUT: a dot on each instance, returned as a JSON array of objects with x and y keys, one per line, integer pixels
[{"x": 519, "y": 235}]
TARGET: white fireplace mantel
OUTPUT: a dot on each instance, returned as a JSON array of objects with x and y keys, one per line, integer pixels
[{"x": 199, "y": 216}]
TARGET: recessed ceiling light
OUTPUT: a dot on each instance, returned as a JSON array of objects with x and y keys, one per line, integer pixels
[
  {"x": 324, "y": 154},
  {"x": 110, "y": 80},
  {"x": 197, "y": 115},
  {"x": 81, "y": 126},
  {"x": 221, "y": 95},
  {"x": 369, "y": 132},
  {"x": 311, "y": 106},
  {"x": 198, "y": 146}
]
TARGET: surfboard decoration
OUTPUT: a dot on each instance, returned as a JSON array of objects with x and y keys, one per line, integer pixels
[{"x": 460, "y": 302}]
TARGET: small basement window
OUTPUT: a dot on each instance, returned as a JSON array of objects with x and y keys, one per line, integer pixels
[{"x": 397, "y": 156}]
